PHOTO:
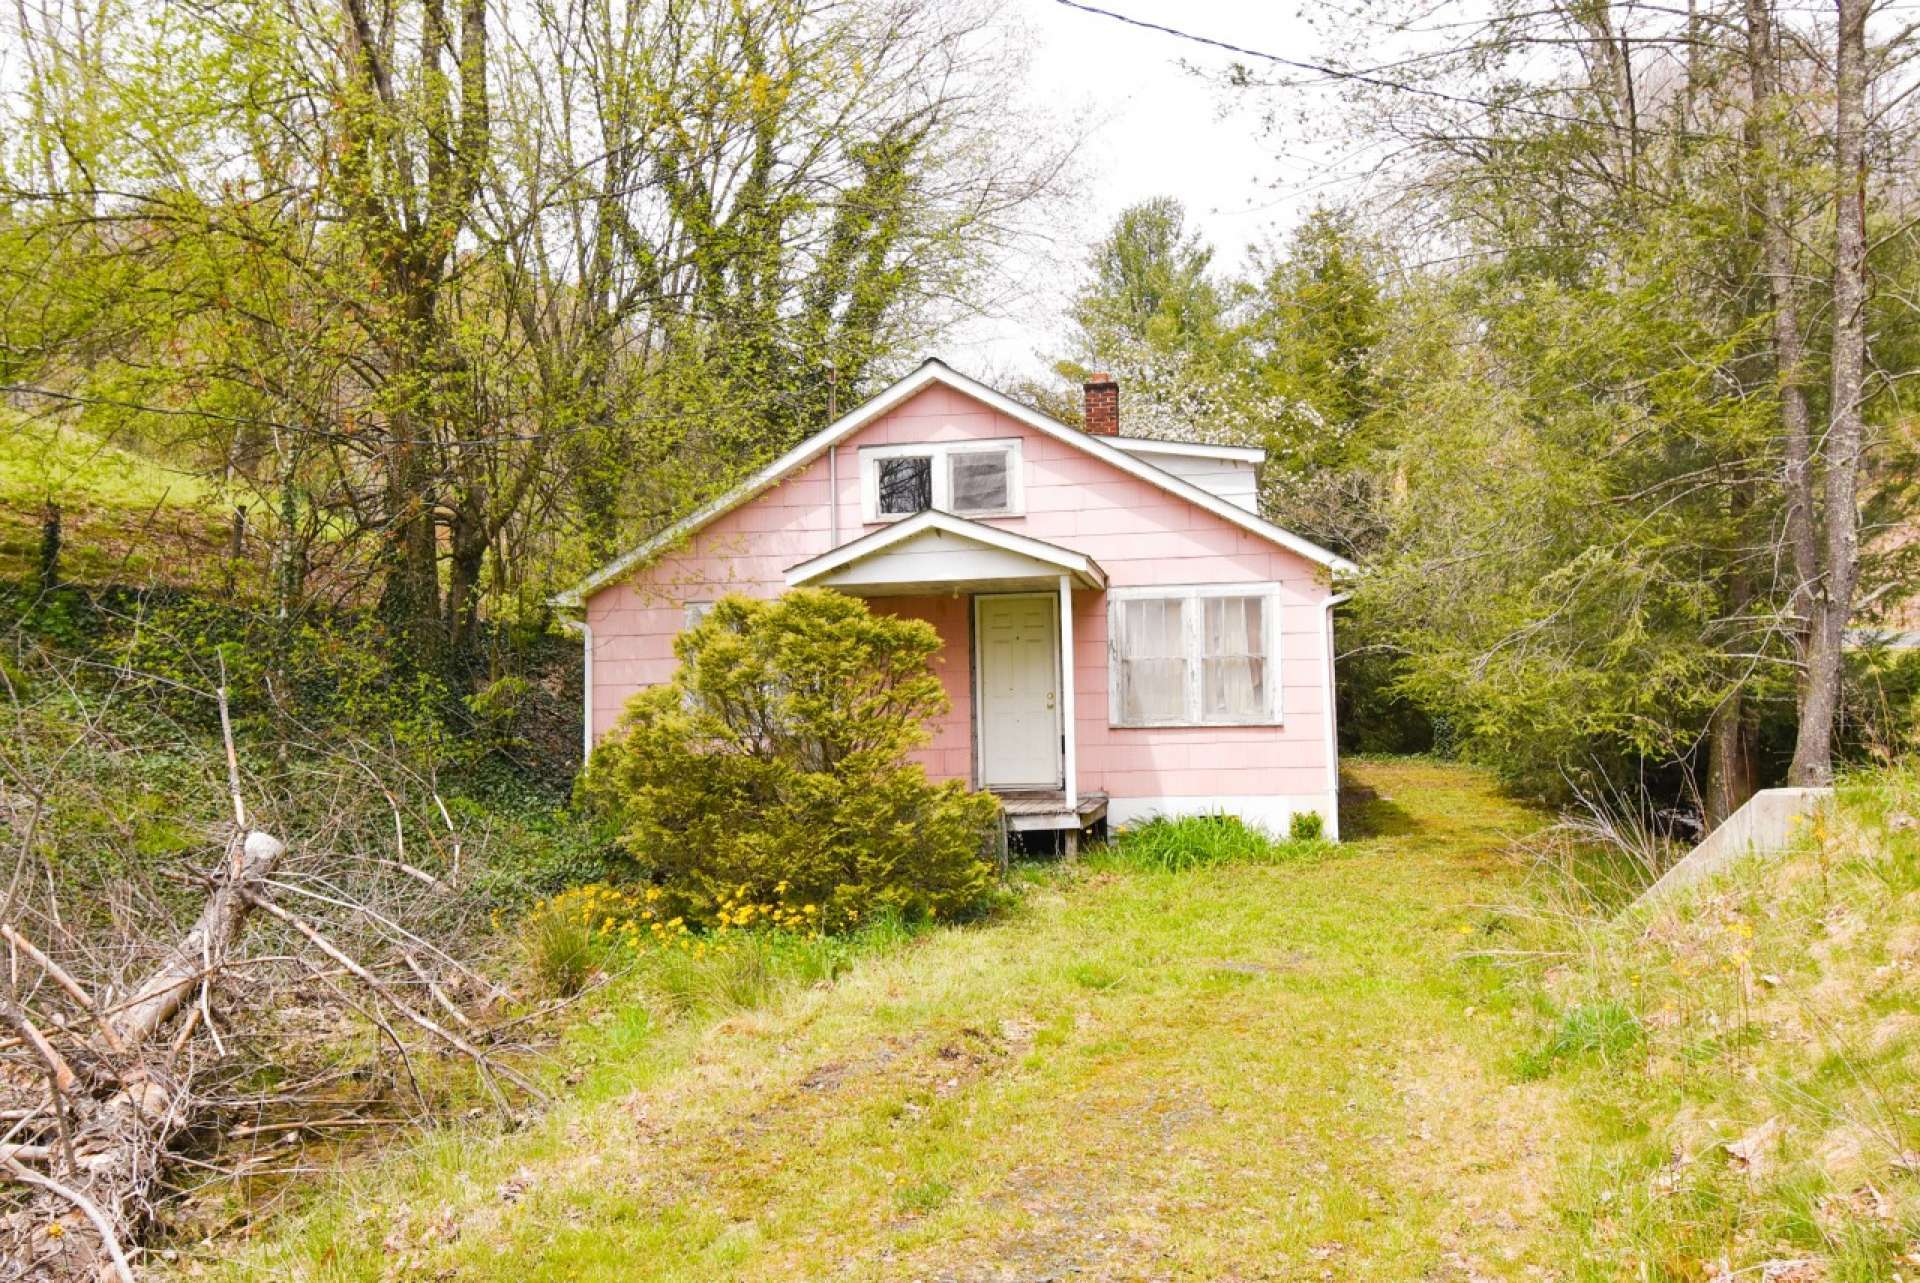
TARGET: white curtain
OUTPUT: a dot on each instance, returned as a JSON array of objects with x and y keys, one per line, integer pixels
[
  {"x": 1152, "y": 653},
  {"x": 1233, "y": 668}
]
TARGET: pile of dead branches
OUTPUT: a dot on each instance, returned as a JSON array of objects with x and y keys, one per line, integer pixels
[{"x": 187, "y": 1020}]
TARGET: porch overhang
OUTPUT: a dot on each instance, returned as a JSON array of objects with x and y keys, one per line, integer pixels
[{"x": 936, "y": 552}]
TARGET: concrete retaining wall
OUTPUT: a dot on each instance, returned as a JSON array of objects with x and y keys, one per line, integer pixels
[{"x": 1764, "y": 826}]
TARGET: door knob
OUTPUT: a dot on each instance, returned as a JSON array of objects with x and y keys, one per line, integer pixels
[{"x": 1049, "y": 699}]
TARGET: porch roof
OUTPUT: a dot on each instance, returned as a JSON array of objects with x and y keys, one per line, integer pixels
[{"x": 939, "y": 552}]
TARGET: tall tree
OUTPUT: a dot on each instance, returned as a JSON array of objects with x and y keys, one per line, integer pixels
[
  {"x": 1830, "y": 599},
  {"x": 1575, "y": 155},
  {"x": 1317, "y": 320},
  {"x": 466, "y": 287},
  {"x": 1152, "y": 313}
]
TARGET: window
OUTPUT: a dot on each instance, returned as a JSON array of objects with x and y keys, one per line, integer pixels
[
  {"x": 697, "y": 611},
  {"x": 1150, "y": 650},
  {"x": 1233, "y": 659},
  {"x": 966, "y": 478},
  {"x": 906, "y": 485},
  {"x": 1194, "y": 656},
  {"x": 978, "y": 481}
]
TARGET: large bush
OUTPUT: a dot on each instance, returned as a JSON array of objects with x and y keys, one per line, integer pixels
[{"x": 772, "y": 768}]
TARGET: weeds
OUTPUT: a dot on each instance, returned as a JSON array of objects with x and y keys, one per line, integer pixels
[
  {"x": 1603, "y": 1031},
  {"x": 1168, "y": 844},
  {"x": 759, "y": 948},
  {"x": 561, "y": 953}
]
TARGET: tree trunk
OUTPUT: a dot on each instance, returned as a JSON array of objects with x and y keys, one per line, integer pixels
[
  {"x": 1833, "y": 598},
  {"x": 49, "y": 569},
  {"x": 1730, "y": 765},
  {"x": 469, "y": 539},
  {"x": 410, "y": 597},
  {"x": 290, "y": 552},
  {"x": 1730, "y": 731},
  {"x": 1789, "y": 344}
]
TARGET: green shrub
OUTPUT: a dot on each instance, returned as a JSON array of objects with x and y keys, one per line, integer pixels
[
  {"x": 772, "y": 768},
  {"x": 1306, "y": 826}
]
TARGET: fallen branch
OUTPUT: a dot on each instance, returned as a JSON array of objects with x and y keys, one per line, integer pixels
[
  {"x": 433, "y": 990},
  {"x": 479, "y": 1057},
  {"x": 155, "y": 1002},
  {"x": 59, "y": 1071},
  {"x": 109, "y": 1240},
  {"x": 65, "y": 981}
]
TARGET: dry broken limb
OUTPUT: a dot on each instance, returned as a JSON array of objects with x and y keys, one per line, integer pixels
[
  {"x": 136, "y": 1044},
  {"x": 127, "y": 1102},
  {"x": 127, "y": 1092}
]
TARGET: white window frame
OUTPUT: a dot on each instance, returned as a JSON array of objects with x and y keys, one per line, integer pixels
[
  {"x": 938, "y": 453},
  {"x": 695, "y": 612},
  {"x": 1193, "y": 626}
]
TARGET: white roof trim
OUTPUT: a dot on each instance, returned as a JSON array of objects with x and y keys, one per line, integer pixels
[
  {"x": 1074, "y": 563},
  {"x": 931, "y": 371},
  {"x": 1154, "y": 445}
]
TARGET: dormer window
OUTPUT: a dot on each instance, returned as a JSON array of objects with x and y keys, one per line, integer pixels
[{"x": 965, "y": 478}]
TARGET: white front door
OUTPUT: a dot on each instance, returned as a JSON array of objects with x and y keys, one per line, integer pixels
[{"x": 1019, "y": 687}]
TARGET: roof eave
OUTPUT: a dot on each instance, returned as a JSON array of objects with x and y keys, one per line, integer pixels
[{"x": 1067, "y": 561}]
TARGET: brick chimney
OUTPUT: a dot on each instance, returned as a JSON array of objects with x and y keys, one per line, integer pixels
[{"x": 1103, "y": 405}]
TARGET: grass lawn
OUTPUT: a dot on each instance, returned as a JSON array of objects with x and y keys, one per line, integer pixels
[{"x": 1237, "y": 1072}]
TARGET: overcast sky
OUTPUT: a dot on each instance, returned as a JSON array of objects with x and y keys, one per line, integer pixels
[{"x": 1157, "y": 129}]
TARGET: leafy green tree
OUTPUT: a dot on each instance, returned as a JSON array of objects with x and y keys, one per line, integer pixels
[
  {"x": 483, "y": 299},
  {"x": 1152, "y": 314},
  {"x": 1319, "y": 323},
  {"x": 1318, "y": 328},
  {"x": 1563, "y": 577},
  {"x": 1151, "y": 283},
  {"x": 1642, "y": 390}
]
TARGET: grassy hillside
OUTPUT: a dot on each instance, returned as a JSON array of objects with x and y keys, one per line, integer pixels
[
  {"x": 1246, "y": 1070},
  {"x": 125, "y": 518},
  {"x": 1749, "y": 1060}
]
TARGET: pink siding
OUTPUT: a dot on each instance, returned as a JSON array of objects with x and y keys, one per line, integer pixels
[{"x": 1138, "y": 533}]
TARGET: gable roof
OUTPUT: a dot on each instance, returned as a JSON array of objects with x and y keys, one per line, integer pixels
[
  {"x": 932, "y": 371},
  {"x": 978, "y": 533}
]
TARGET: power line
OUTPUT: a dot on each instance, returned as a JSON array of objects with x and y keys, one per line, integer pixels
[{"x": 1329, "y": 72}]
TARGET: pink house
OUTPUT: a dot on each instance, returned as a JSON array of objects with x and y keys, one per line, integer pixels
[{"x": 1124, "y": 634}]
